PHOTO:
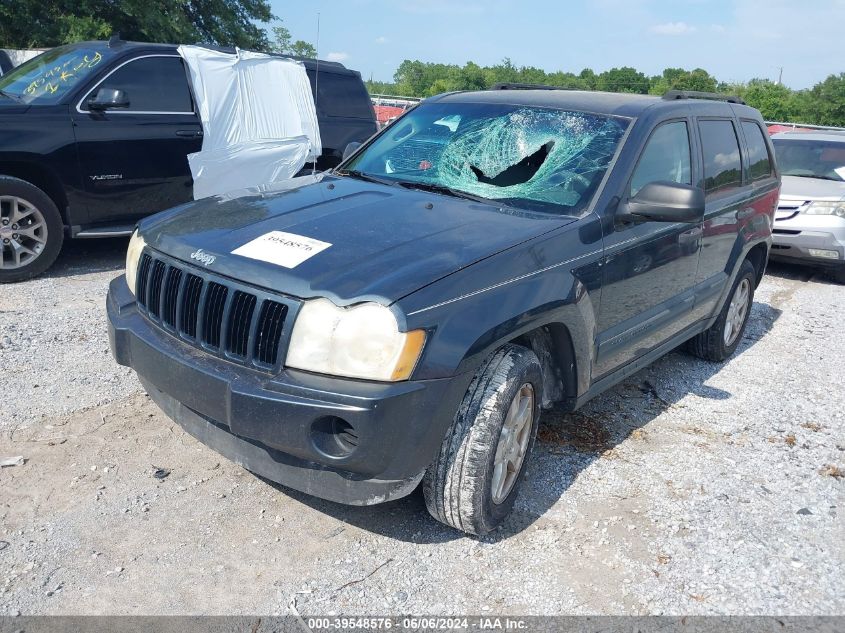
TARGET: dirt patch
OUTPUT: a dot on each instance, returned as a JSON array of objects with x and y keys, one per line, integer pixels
[{"x": 581, "y": 432}]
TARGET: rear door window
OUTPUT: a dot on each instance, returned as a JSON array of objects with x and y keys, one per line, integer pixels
[
  {"x": 722, "y": 162},
  {"x": 153, "y": 84},
  {"x": 666, "y": 157},
  {"x": 759, "y": 162},
  {"x": 342, "y": 96}
]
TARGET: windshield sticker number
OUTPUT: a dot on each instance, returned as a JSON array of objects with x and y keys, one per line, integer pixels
[
  {"x": 283, "y": 249},
  {"x": 61, "y": 75}
]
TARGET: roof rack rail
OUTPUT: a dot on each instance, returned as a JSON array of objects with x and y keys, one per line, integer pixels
[
  {"x": 518, "y": 86},
  {"x": 695, "y": 94}
]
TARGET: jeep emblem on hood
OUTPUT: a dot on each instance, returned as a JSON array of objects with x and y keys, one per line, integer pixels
[{"x": 203, "y": 257}]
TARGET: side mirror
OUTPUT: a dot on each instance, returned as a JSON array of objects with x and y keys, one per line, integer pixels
[
  {"x": 664, "y": 201},
  {"x": 108, "y": 98},
  {"x": 350, "y": 149}
]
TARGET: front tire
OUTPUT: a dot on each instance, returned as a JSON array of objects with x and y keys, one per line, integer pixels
[
  {"x": 31, "y": 230},
  {"x": 718, "y": 342},
  {"x": 474, "y": 481}
]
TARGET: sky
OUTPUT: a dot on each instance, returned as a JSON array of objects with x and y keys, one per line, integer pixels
[{"x": 734, "y": 40}]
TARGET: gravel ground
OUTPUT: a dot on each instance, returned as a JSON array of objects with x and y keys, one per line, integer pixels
[{"x": 692, "y": 488}]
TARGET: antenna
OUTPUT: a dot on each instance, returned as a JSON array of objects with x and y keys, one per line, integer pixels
[{"x": 316, "y": 85}]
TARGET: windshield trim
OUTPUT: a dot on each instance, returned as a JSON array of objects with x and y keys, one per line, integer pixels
[{"x": 587, "y": 209}]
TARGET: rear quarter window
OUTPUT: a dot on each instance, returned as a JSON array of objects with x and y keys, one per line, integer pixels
[
  {"x": 342, "y": 96},
  {"x": 722, "y": 162},
  {"x": 759, "y": 161}
]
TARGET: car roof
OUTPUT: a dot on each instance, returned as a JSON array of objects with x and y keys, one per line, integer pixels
[
  {"x": 309, "y": 63},
  {"x": 832, "y": 135},
  {"x": 616, "y": 103}
]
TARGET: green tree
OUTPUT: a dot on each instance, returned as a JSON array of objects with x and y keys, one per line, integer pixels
[
  {"x": 771, "y": 99},
  {"x": 589, "y": 78},
  {"x": 625, "y": 79},
  {"x": 679, "y": 79},
  {"x": 825, "y": 103},
  {"x": 281, "y": 40},
  {"x": 35, "y": 23},
  {"x": 283, "y": 43},
  {"x": 301, "y": 48}
]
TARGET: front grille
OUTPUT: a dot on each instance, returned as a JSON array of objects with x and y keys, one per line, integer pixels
[{"x": 225, "y": 318}]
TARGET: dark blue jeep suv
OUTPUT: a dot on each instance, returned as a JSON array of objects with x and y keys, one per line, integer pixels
[{"x": 405, "y": 317}]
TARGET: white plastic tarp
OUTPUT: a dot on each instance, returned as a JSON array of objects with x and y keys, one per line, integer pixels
[{"x": 258, "y": 118}]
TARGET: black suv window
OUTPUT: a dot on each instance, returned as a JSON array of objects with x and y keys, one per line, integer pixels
[
  {"x": 760, "y": 165},
  {"x": 665, "y": 157},
  {"x": 722, "y": 163},
  {"x": 343, "y": 95},
  {"x": 152, "y": 84}
]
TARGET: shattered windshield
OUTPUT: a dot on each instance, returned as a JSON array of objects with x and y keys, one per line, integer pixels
[
  {"x": 541, "y": 159},
  {"x": 811, "y": 158}
]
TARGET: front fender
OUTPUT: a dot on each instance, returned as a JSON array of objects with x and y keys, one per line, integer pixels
[{"x": 555, "y": 279}]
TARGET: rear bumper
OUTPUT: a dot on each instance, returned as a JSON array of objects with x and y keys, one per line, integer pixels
[{"x": 266, "y": 422}]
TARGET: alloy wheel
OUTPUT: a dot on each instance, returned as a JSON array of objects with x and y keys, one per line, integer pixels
[
  {"x": 23, "y": 233},
  {"x": 737, "y": 311},
  {"x": 513, "y": 443}
]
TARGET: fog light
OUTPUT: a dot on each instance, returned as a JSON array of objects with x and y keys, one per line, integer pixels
[{"x": 819, "y": 252}]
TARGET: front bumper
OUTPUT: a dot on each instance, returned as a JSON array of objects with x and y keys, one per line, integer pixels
[
  {"x": 265, "y": 422},
  {"x": 793, "y": 238}
]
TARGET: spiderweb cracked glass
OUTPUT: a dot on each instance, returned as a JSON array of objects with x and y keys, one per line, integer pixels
[{"x": 581, "y": 147}]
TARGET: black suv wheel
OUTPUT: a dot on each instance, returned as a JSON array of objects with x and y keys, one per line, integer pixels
[
  {"x": 722, "y": 338},
  {"x": 31, "y": 231},
  {"x": 473, "y": 483}
]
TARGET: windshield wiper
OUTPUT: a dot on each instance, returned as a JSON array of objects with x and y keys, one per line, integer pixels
[
  {"x": 11, "y": 96},
  {"x": 354, "y": 173},
  {"x": 449, "y": 191}
]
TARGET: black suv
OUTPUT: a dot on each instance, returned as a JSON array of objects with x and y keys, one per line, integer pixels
[
  {"x": 406, "y": 317},
  {"x": 72, "y": 164}
]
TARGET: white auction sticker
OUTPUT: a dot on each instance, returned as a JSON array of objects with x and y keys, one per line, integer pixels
[{"x": 280, "y": 248}]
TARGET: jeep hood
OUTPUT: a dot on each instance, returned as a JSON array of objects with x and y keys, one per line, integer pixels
[
  {"x": 385, "y": 241},
  {"x": 795, "y": 188}
]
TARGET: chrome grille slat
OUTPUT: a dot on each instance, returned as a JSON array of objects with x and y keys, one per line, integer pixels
[{"x": 222, "y": 317}]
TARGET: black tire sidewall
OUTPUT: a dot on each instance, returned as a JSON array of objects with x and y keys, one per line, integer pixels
[
  {"x": 525, "y": 370},
  {"x": 10, "y": 186}
]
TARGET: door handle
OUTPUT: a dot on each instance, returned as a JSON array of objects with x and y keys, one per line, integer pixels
[{"x": 189, "y": 133}]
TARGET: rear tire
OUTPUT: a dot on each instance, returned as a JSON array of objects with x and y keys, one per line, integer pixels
[
  {"x": 474, "y": 481},
  {"x": 31, "y": 230},
  {"x": 722, "y": 338}
]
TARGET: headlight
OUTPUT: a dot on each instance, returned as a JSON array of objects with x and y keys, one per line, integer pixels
[
  {"x": 826, "y": 208},
  {"x": 362, "y": 341},
  {"x": 133, "y": 256}
]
